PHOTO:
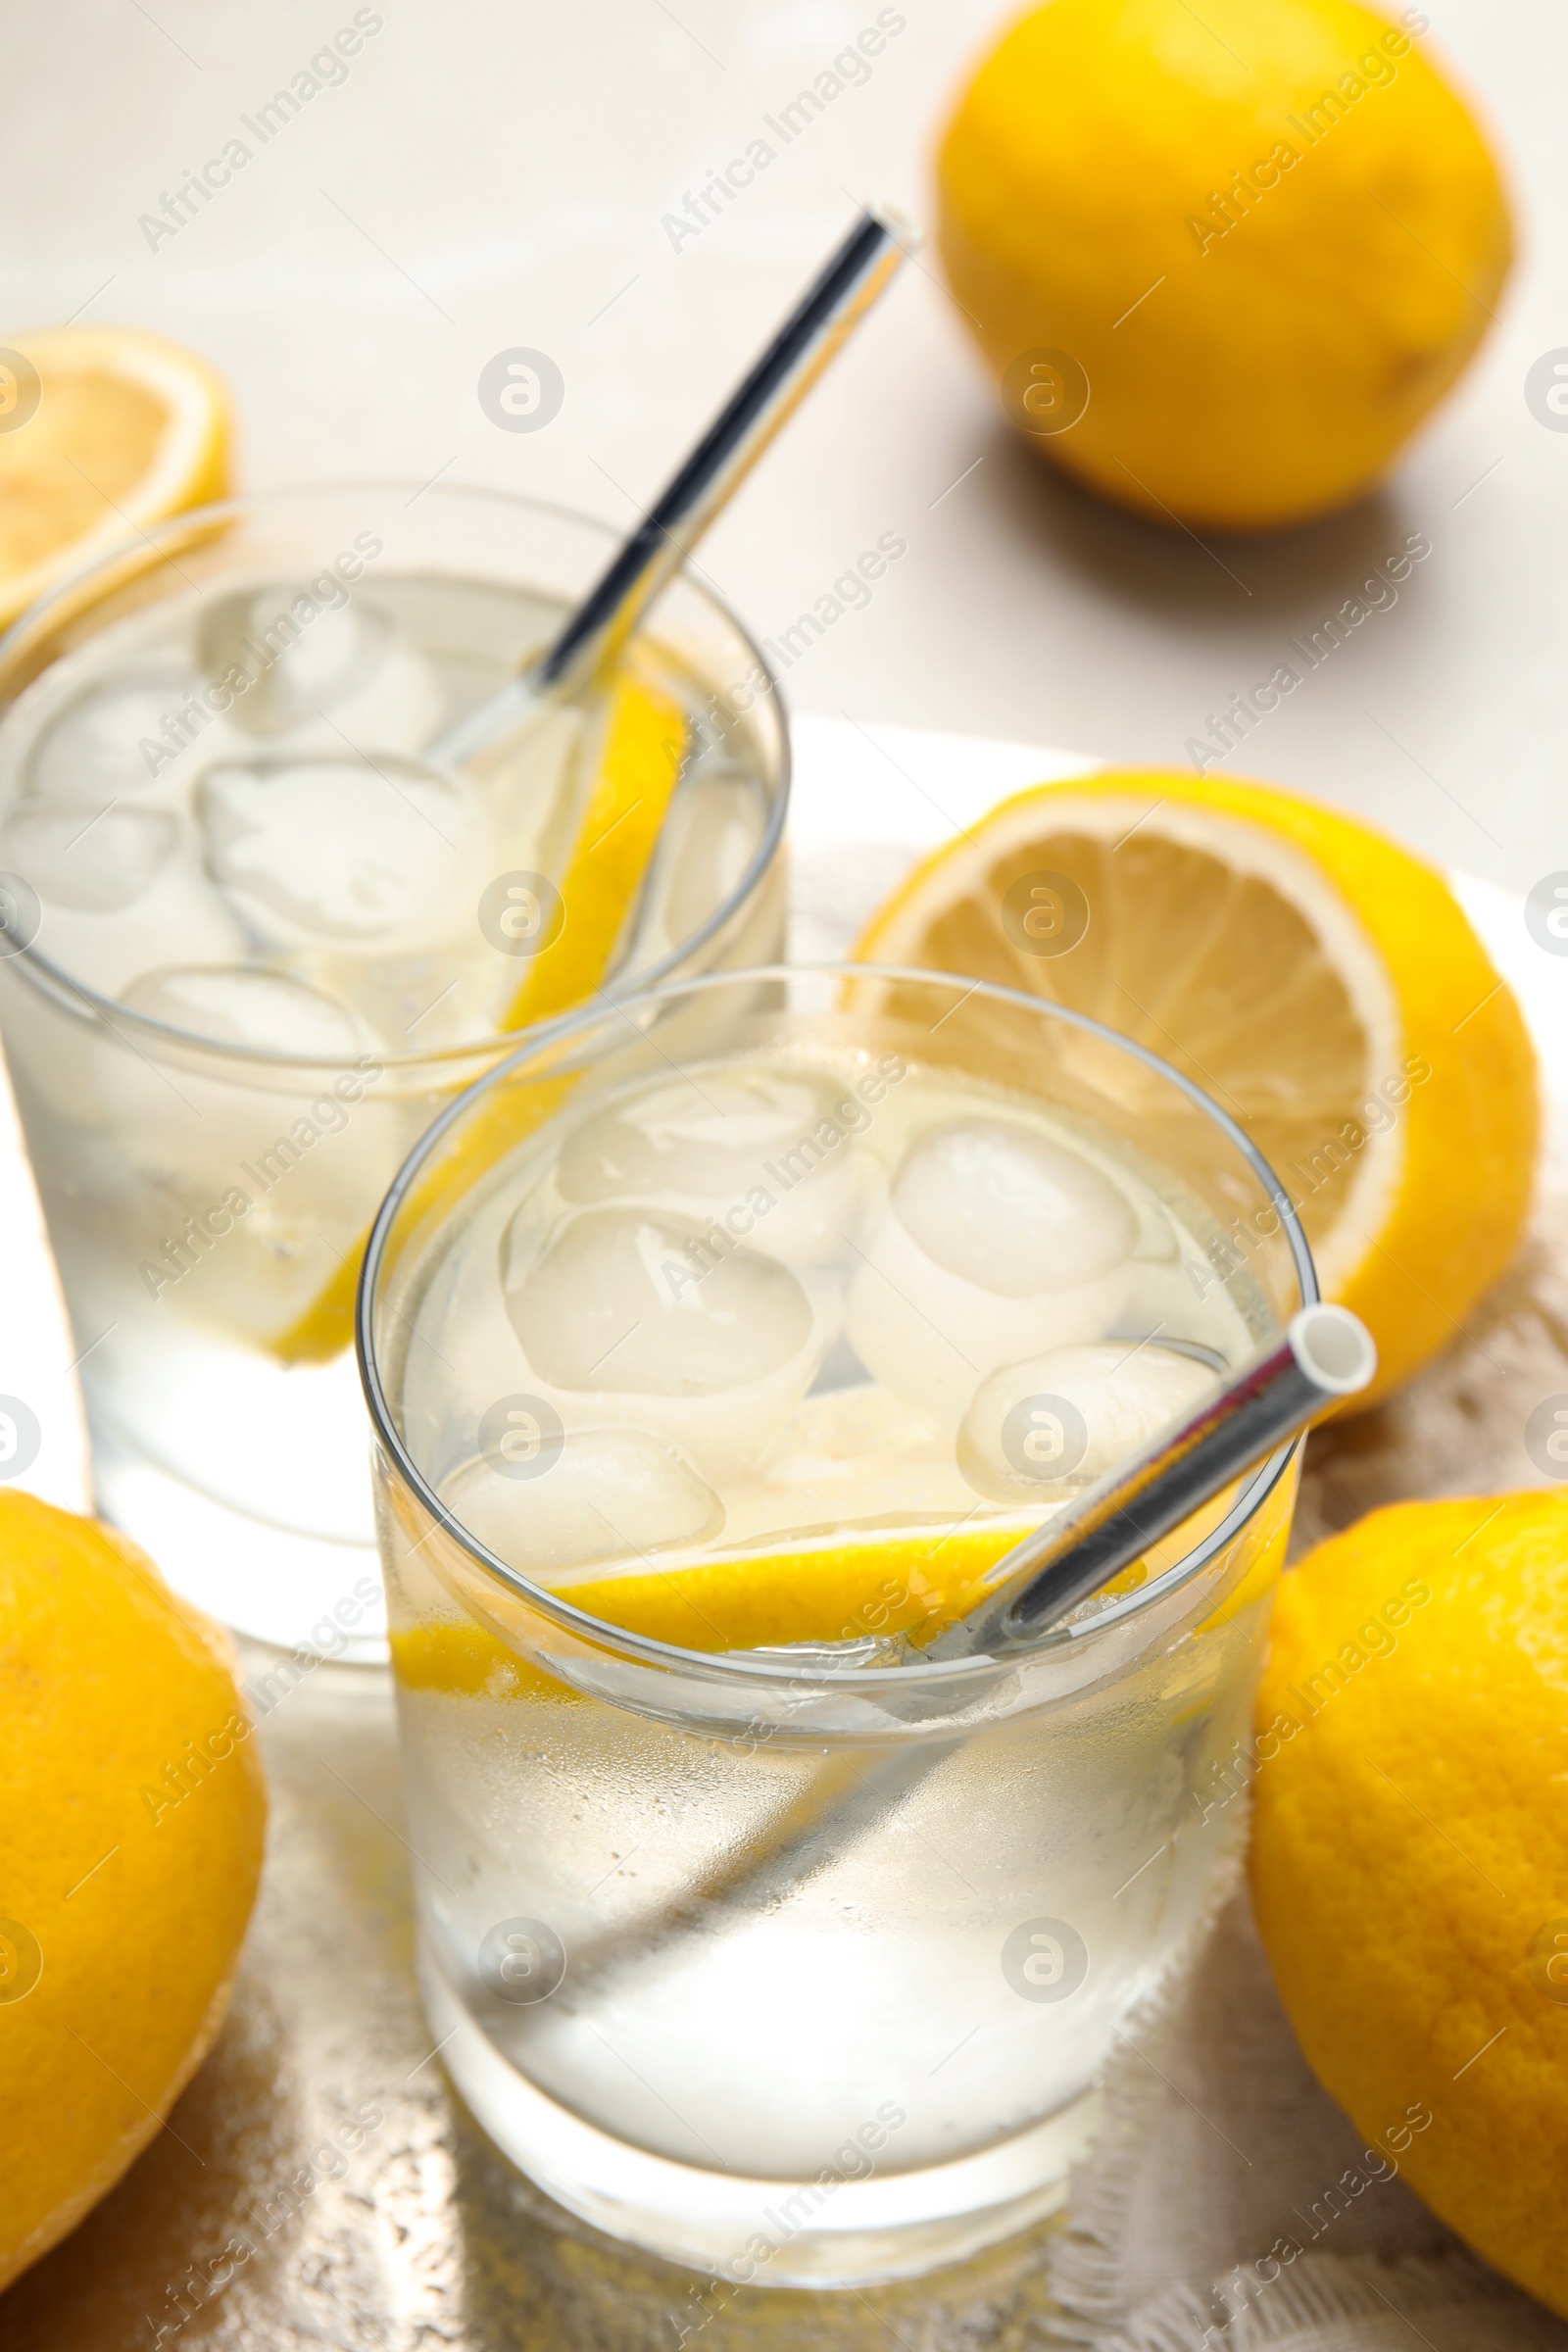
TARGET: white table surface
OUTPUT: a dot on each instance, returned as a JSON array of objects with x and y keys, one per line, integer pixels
[{"x": 493, "y": 173}]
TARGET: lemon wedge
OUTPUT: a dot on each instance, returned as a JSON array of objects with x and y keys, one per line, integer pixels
[
  {"x": 103, "y": 431},
  {"x": 643, "y": 746},
  {"x": 1321, "y": 984}
]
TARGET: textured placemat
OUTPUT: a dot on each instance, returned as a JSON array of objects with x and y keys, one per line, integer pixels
[{"x": 1230, "y": 2206}]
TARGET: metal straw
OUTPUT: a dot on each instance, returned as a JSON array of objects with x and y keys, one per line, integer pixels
[
  {"x": 1326, "y": 1353},
  {"x": 812, "y": 334}
]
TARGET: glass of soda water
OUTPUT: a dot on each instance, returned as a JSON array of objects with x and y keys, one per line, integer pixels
[
  {"x": 253, "y": 939},
  {"x": 716, "y": 1348}
]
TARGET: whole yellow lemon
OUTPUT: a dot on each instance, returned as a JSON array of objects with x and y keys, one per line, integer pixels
[
  {"x": 1410, "y": 1853},
  {"x": 1221, "y": 261},
  {"x": 131, "y": 1820}
]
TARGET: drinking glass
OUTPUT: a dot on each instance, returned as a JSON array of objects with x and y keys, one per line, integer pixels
[
  {"x": 218, "y": 1060},
  {"x": 777, "y": 1948}
]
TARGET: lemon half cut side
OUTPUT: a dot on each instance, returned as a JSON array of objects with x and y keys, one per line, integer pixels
[
  {"x": 1322, "y": 985},
  {"x": 103, "y": 431}
]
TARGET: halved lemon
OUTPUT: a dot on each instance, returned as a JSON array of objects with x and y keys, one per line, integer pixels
[
  {"x": 103, "y": 431},
  {"x": 1321, "y": 984}
]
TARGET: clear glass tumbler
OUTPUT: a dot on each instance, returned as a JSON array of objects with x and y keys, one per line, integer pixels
[
  {"x": 251, "y": 944},
  {"x": 750, "y": 1934}
]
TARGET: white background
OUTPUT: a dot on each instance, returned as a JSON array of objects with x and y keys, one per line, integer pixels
[{"x": 493, "y": 173}]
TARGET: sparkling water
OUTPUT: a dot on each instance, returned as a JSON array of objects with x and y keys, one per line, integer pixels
[
  {"x": 725, "y": 1985},
  {"x": 221, "y": 823}
]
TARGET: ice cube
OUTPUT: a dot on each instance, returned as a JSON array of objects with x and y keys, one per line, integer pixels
[
  {"x": 95, "y": 860},
  {"x": 1039, "y": 1429},
  {"x": 364, "y": 854},
  {"x": 296, "y": 1164},
  {"x": 617, "y": 1283},
  {"x": 305, "y": 661},
  {"x": 603, "y": 1495},
  {"x": 631, "y": 1318},
  {"x": 997, "y": 1241},
  {"x": 1009, "y": 1208},
  {"x": 175, "y": 909},
  {"x": 708, "y": 837},
  {"x": 763, "y": 1156},
  {"x": 235, "y": 1004},
  {"x": 97, "y": 747}
]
